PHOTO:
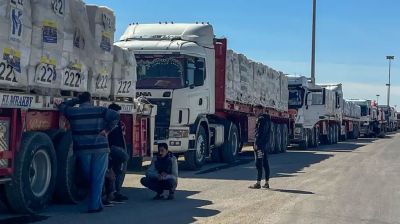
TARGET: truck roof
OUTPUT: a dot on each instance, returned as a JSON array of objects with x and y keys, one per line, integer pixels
[{"x": 202, "y": 34}]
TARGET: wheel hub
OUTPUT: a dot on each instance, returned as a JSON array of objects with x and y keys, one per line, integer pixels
[{"x": 40, "y": 173}]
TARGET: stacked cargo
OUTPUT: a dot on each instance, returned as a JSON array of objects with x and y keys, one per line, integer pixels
[
  {"x": 15, "y": 41},
  {"x": 102, "y": 27},
  {"x": 350, "y": 109},
  {"x": 124, "y": 73},
  {"x": 232, "y": 78},
  {"x": 49, "y": 19},
  {"x": 77, "y": 51},
  {"x": 253, "y": 83}
]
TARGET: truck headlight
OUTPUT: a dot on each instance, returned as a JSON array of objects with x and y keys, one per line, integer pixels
[
  {"x": 297, "y": 130},
  {"x": 178, "y": 133}
]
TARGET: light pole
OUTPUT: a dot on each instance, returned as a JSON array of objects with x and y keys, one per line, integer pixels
[
  {"x": 390, "y": 58},
  {"x": 313, "y": 41},
  {"x": 377, "y": 99}
]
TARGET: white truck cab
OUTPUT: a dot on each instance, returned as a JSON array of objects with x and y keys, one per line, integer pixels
[{"x": 175, "y": 72}]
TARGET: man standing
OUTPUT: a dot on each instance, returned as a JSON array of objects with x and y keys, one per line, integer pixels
[
  {"x": 118, "y": 156},
  {"x": 260, "y": 150},
  {"x": 162, "y": 174},
  {"x": 90, "y": 126}
]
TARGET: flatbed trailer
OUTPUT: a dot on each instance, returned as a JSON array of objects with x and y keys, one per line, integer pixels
[{"x": 36, "y": 159}]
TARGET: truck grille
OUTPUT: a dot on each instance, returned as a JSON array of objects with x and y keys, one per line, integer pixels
[
  {"x": 4, "y": 139},
  {"x": 163, "y": 117}
]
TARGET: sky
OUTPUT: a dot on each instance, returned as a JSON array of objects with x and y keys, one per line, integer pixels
[{"x": 353, "y": 36}]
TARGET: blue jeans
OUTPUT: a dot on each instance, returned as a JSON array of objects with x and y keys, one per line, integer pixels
[{"x": 94, "y": 167}]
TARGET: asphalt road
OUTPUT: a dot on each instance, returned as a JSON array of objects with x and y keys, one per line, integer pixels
[{"x": 352, "y": 182}]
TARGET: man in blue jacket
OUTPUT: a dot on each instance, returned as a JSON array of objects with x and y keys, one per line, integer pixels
[{"x": 90, "y": 126}]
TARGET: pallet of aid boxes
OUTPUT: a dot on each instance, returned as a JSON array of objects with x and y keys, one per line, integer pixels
[
  {"x": 60, "y": 55},
  {"x": 102, "y": 27},
  {"x": 15, "y": 43}
]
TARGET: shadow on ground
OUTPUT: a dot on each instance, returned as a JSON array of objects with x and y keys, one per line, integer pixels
[
  {"x": 139, "y": 209},
  {"x": 288, "y": 164}
]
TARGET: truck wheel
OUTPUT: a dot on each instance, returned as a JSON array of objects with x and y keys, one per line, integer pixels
[
  {"x": 216, "y": 154},
  {"x": 272, "y": 136},
  {"x": 312, "y": 138},
  {"x": 284, "y": 138},
  {"x": 34, "y": 177},
  {"x": 195, "y": 159},
  {"x": 331, "y": 135},
  {"x": 316, "y": 131},
  {"x": 278, "y": 138},
  {"x": 356, "y": 132},
  {"x": 70, "y": 187},
  {"x": 231, "y": 148},
  {"x": 304, "y": 144}
]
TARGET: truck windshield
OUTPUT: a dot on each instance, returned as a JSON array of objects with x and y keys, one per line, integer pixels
[
  {"x": 364, "y": 110},
  {"x": 166, "y": 71},
  {"x": 296, "y": 97}
]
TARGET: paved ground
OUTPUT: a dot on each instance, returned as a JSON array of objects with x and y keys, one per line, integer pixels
[{"x": 353, "y": 182}]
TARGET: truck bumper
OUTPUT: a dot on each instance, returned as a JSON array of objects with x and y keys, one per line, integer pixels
[{"x": 175, "y": 145}]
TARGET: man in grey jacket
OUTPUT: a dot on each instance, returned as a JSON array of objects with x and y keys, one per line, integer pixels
[{"x": 162, "y": 174}]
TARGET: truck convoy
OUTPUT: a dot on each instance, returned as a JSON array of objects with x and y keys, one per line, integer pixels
[
  {"x": 390, "y": 117},
  {"x": 321, "y": 113},
  {"x": 50, "y": 51},
  {"x": 208, "y": 97},
  {"x": 372, "y": 119}
]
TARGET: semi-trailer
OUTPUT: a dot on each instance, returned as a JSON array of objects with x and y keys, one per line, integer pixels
[{"x": 208, "y": 97}]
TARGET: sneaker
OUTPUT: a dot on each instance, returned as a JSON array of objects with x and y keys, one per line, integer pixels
[
  {"x": 171, "y": 197},
  {"x": 266, "y": 185},
  {"x": 158, "y": 197},
  {"x": 107, "y": 203},
  {"x": 117, "y": 201},
  {"x": 255, "y": 186},
  {"x": 91, "y": 211},
  {"x": 120, "y": 197}
]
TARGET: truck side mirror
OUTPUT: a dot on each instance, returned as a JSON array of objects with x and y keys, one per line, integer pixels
[
  {"x": 198, "y": 77},
  {"x": 308, "y": 100}
]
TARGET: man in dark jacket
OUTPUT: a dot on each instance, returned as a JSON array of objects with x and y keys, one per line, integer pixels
[
  {"x": 118, "y": 156},
  {"x": 162, "y": 174},
  {"x": 90, "y": 126},
  {"x": 261, "y": 151}
]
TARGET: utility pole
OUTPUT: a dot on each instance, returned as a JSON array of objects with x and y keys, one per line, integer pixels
[
  {"x": 377, "y": 99},
  {"x": 390, "y": 58},
  {"x": 313, "y": 42}
]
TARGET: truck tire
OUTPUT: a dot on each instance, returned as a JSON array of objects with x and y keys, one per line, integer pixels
[
  {"x": 231, "y": 148},
  {"x": 305, "y": 143},
  {"x": 195, "y": 159},
  {"x": 284, "y": 137},
  {"x": 356, "y": 132},
  {"x": 331, "y": 135},
  {"x": 312, "y": 138},
  {"x": 70, "y": 187},
  {"x": 34, "y": 177},
  {"x": 316, "y": 143},
  {"x": 272, "y": 136},
  {"x": 278, "y": 138}
]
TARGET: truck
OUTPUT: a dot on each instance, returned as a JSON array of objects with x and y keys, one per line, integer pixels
[
  {"x": 351, "y": 120},
  {"x": 317, "y": 111},
  {"x": 390, "y": 117},
  {"x": 37, "y": 163},
  {"x": 207, "y": 96},
  {"x": 372, "y": 123}
]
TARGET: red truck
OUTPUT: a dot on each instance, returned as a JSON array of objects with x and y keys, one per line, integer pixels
[{"x": 36, "y": 159}]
